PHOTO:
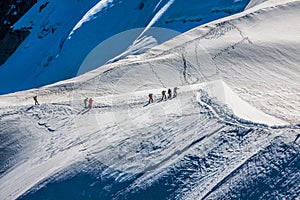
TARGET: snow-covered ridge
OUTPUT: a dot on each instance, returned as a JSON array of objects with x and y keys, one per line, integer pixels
[
  {"x": 63, "y": 33},
  {"x": 229, "y": 49}
]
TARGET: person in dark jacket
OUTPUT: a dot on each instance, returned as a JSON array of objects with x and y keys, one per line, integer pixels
[
  {"x": 175, "y": 92},
  {"x": 163, "y": 93},
  {"x": 35, "y": 100},
  {"x": 91, "y": 103},
  {"x": 169, "y": 93},
  {"x": 86, "y": 102}
]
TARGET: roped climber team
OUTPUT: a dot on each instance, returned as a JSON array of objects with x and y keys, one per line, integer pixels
[
  {"x": 164, "y": 96},
  {"x": 88, "y": 102}
]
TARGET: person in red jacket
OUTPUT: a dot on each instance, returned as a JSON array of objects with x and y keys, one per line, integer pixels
[
  {"x": 150, "y": 98},
  {"x": 91, "y": 103}
]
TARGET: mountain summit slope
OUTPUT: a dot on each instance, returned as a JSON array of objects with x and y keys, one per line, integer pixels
[
  {"x": 254, "y": 52},
  {"x": 63, "y": 33}
]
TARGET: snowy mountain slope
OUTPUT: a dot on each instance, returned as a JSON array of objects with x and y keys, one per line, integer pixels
[
  {"x": 192, "y": 146},
  {"x": 130, "y": 139},
  {"x": 255, "y": 52},
  {"x": 64, "y": 32}
]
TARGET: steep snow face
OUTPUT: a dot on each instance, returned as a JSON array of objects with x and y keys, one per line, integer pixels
[{"x": 65, "y": 32}]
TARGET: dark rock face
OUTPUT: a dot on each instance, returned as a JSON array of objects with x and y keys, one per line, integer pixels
[
  {"x": 10, "y": 12},
  {"x": 10, "y": 43}
]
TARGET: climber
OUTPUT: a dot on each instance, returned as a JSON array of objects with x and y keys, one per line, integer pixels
[
  {"x": 91, "y": 103},
  {"x": 169, "y": 93},
  {"x": 175, "y": 92},
  {"x": 86, "y": 102},
  {"x": 35, "y": 100},
  {"x": 150, "y": 98},
  {"x": 163, "y": 93}
]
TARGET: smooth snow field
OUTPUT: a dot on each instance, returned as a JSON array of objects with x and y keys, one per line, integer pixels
[{"x": 232, "y": 131}]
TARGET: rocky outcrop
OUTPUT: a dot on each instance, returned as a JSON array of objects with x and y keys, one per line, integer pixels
[
  {"x": 10, "y": 43},
  {"x": 10, "y": 12}
]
